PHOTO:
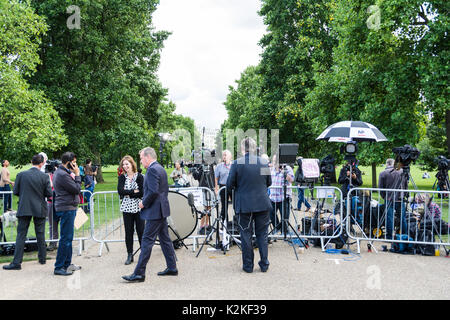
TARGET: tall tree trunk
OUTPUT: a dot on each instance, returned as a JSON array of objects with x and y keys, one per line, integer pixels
[
  {"x": 374, "y": 175},
  {"x": 447, "y": 129},
  {"x": 98, "y": 161}
]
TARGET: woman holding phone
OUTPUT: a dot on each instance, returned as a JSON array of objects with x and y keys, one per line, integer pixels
[{"x": 130, "y": 187}]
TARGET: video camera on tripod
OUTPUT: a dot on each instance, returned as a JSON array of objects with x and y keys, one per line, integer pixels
[
  {"x": 327, "y": 170},
  {"x": 442, "y": 174},
  {"x": 406, "y": 154}
]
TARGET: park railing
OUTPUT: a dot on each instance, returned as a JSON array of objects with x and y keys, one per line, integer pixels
[
  {"x": 9, "y": 221},
  {"x": 414, "y": 221},
  {"x": 107, "y": 224}
]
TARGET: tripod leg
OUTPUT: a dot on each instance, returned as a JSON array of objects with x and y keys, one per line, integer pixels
[{"x": 208, "y": 236}]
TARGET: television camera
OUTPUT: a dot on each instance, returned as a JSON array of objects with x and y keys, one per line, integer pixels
[{"x": 51, "y": 166}]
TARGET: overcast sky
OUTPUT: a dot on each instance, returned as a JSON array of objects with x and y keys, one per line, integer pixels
[{"x": 212, "y": 42}]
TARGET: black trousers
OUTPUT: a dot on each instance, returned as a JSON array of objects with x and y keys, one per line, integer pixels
[
  {"x": 130, "y": 220},
  {"x": 262, "y": 221},
  {"x": 225, "y": 196},
  {"x": 22, "y": 230},
  {"x": 153, "y": 229}
]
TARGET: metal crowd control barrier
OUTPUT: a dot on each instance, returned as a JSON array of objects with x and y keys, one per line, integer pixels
[
  {"x": 107, "y": 220},
  {"x": 411, "y": 217},
  {"x": 320, "y": 220},
  {"x": 8, "y": 225}
]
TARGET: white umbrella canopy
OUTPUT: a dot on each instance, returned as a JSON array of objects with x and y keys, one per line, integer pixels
[{"x": 346, "y": 131}]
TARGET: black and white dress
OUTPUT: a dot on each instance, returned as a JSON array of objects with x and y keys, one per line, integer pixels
[{"x": 130, "y": 205}]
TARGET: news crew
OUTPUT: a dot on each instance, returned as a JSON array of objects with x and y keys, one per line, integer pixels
[{"x": 344, "y": 178}]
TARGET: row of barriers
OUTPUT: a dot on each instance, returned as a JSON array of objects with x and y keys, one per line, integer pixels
[{"x": 416, "y": 218}]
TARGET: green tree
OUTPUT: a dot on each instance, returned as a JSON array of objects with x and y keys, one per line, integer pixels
[
  {"x": 29, "y": 122},
  {"x": 374, "y": 75},
  {"x": 102, "y": 76}
]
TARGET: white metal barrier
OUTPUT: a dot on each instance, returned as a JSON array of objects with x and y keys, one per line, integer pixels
[
  {"x": 415, "y": 218},
  {"x": 107, "y": 221},
  {"x": 320, "y": 221},
  {"x": 8, "y": 224}
]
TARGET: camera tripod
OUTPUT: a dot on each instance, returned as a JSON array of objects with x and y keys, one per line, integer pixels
[
  {"x": 218, "y": 222},
  {"x": 285, "y": 224}
]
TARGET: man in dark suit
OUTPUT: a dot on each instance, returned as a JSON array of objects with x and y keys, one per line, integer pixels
[
  {"x": 250, "y": 177},
  {"x": 32, "y": 187},
  {"x": 155, "y": 210}
]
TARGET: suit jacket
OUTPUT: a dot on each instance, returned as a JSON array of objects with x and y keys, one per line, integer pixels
[
  {"x": 156, "y": 190},
  {"x": 250, "y": 177},
  {"x": 32, "y": 187}
]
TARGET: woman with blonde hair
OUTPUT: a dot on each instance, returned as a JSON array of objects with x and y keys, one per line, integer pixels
[{"x": 130, "y": 187}]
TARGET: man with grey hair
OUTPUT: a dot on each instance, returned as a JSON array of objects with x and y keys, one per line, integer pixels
[
  {"x": 251, "y": 203},
  {"x": 221, "y": 175},
  {"x": 155, "y": 210}
]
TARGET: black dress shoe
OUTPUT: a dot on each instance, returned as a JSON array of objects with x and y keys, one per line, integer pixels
[
  {"x": 264, "y": 269},
  {"x": 42, "y": 261},
  {"x": 62, "y": 272},
  {"x": 168, "y": 272},
  {"x": 248, "y": 271},
  {"x": 12, "y": 266},
  {"x": 134, "y": 278},
  {"x": 129, "y": 259}
]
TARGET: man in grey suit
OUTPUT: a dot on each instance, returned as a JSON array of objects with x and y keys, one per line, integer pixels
[
  {"x": 155, "y": 210},
  {"x": 32, "y": 187},
  {"x": 250, "y": 177}
]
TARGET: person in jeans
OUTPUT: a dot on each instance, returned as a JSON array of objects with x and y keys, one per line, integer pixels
[
  {"x": 32, "y": 187},
  {"x": 277, "y": 196},
  {"x": 4, "y": 185},
  {"x": 130, "y": 187},
  {"x": 67, "y": 185}
]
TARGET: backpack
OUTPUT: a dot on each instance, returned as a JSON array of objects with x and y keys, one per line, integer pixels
[{"x": 403, "y": 248}]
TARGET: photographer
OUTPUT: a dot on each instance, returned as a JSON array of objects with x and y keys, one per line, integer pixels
[
  {"x": 67, "y": 184},
  {"x": 344, "y": 178},
  {"x": 177, "y": 175}
]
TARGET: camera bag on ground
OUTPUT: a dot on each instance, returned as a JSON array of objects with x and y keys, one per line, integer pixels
[
  {"x": 403, "y": 248},
  {"x": 30, "y": 247},
  {"x": 425, "y": 236}
]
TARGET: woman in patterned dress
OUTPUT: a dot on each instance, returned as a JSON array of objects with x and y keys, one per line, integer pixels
[{"x": 131, "y": 189}]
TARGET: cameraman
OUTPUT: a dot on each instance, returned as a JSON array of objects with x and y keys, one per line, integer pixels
[
  {"x": 393, "y": 178},
  {"x": 206, "y": 180},
  {"x": 344, "y": 178}
]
